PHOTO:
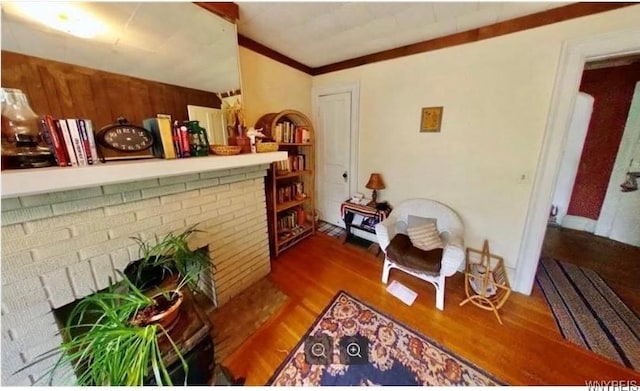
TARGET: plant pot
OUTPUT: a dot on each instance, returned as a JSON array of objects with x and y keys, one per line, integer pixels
[
  {"x": 164, "y": 312},
  {"x": 150, "y": 276}
]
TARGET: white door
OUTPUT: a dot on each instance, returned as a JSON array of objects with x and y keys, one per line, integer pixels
[
  {"x": 212, "y": 120},
  {"x": 335, "y": 123}
]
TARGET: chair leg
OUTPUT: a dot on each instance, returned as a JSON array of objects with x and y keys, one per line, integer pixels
[
  {"x": 385, "y": 270},
  {"x": 440, "y": 294}
]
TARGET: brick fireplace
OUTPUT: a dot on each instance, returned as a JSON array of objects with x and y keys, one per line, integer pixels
[{"x": 59, "y": 247}]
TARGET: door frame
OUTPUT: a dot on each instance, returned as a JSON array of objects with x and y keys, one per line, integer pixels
[
  {"x": 573, "y": 55},
  {"x": 354, "y": 89}
]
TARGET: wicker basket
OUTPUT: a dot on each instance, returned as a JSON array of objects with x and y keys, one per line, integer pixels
[
  {"x": 266, "y": 147},
  {"x": 225, "y": 150}
]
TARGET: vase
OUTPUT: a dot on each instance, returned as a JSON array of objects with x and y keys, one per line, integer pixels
[{"x": 20, "y": 133}]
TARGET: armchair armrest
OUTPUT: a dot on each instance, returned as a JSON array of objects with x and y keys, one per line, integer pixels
[
  {"x": 453, "y": 255},
  {"x": 385, "y": 231}
]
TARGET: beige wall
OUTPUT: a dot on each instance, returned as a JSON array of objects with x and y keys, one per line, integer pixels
[
  {"x": 269, "y": 86},
  {"x": 496, "y": 95}
]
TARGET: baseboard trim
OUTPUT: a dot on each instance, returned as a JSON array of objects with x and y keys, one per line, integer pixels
[{"x": 580, "y": 223}]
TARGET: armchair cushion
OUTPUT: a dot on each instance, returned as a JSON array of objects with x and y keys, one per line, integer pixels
[
  {"x": 402, "y": 252},
  {"x": 425, "y": 237}
]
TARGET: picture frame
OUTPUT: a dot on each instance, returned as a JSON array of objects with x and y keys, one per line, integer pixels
[{"x": 431, "y": 119}]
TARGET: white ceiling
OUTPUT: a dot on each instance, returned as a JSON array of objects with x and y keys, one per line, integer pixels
[
  {"x": 177, "y": 43},
  {"x": 321, "y": 33}
]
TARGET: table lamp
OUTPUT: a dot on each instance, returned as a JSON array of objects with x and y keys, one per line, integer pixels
[{"x": 375, "y": 183}]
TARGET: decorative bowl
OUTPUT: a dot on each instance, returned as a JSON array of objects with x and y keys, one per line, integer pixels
[
  {"x": 225, "y": 150},
  {"x": 266, "y": 147}
]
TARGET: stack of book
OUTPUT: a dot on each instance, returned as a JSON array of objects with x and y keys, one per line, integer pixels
[
  {"x": 288, "y": 132},
  {"x": 290, "y": 192},
  {"x": 70, "y": 140}
]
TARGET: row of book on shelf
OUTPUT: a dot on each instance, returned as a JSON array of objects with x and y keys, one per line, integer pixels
[
  {"x": 292, "y": 164},
  {"x": 170, "y": 142},
  {"x": 288, "y": 132},
  {"x": 290, "y": 192},
  {"x": 71, "y": 141},
  {"x": 291, "y": 221}
]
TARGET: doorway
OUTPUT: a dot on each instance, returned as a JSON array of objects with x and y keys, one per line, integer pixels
[
  {"x": 335, "y": 110},
  {"x": 573, "y": 56}
]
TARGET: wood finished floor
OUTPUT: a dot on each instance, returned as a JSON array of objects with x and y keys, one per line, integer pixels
[{"x": 526, "y": 350}]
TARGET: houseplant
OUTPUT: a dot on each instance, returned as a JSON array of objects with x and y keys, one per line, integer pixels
[
  {"x": 105, "y": 347},
  {"x": 169, "y": 256}
]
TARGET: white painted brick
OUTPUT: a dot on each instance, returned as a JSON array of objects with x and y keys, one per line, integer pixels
[
  {"x": 131, "y": 206},
  {"x": 83, "y": 227},
  {"x": 10, "y": 204},
  {"x": 229, "y": 209},
  {"x": 12, "y": 232},
  {"x": 25, "y": 214},
  {"x": 215, "y": 204},
  {"x": 131, "y": 196},
  {"x": 43, "y": 348},
  {"x": 15, "y": 303},
  {"x": 10, "y": 263},
  {"x": 233, "y": 178},
  {"x": 157, "y": 210},
  {"x": 61, "y": 221},
  {"x": 174, "y": 226},
  {"x": 256, "y": 174},
  {"x": 22, "y": 288},
  {"x": 168, "y": 199},
  {"x": 101, "y": 270},
  {"x": 39, "y": 268},
  {"x": 178, "y": 179},
  {"x": 37, "y": 331},
  {"x": 58, "y": 288},
  {"x": 180, "y": 215},
  {"x": 103, "y": 247},
  {"x": 203, "y": 218},
  {"x": 242, "y": 170},
  {"x": 16, "y": 319},
  {"x": 246, "y": 199},
  {"x": 163, "y": 190},
  {"x": 60, "y": 196},
  {"x": 214, "y": 174},
  {"x": 129, "y": 186},
  {"x": 199, "y": 184},
  {"x": 248, "y": 210},
  {"x": 214, "y": 190},
  {"x": 134, "y": 228},
  {"x": 120, "y": 259},
  {"x": 34, "y": 240},
  {"x": 81, "y": 279},
  {"x": 230, "y": 194},
  {"x": 86, "y": 204},
  {"x": 70, "y": 245}
]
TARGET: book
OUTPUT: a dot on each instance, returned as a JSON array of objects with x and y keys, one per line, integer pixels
[
  {"x": 76, "y": 142},
  {"x": 82, "y": 129},
  {"x": 184, "y": 141},
  {"x": 161, "y": 131},
  {"x": 88, "y": 125},
  {"x": 59, "y": 150},
  {"x": 64, "y": 130}
]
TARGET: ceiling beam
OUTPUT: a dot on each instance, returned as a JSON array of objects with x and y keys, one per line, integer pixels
[
  {"x": 229, "y": 11},
  {"x": 538, "y": 19},
  {"x": 265, "y": 51}
]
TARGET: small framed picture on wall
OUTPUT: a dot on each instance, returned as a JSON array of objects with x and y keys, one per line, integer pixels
[{"x": 431, "y": 119}]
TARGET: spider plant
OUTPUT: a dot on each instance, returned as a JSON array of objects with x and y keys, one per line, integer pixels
[
  {"x": 169, "y": 256},
  {"x": 104, "y": 348}
]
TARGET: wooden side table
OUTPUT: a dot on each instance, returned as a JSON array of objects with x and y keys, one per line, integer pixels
[{"x": 349, "y": 210}]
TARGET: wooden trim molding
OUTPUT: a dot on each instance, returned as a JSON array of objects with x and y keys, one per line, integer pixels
[
  {"x": 539, "y": 19},
  {"x": 229, "y": 11},
  {"x": 265, "y": 51}
]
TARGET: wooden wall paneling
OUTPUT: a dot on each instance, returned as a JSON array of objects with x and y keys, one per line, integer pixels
[
  {"x": 103, "y": 115},
  {"x": 118, "y": 98},
  {"x": 82, "y": 96},
  {"x": 50, "y": 92},
  {"x": 140, "y": 102},
  {"x": 64, "y": 93},
  {"x": 159, "y": 99}
]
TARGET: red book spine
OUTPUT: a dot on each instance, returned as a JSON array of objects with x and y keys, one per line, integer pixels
[
  {"x": 56, "y": 138},
  {"x": 184, "y": 141},
  {"x": 177, "y": 144}
]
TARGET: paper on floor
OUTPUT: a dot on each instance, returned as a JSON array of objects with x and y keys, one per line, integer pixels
[{"x": 403, "y": 293}]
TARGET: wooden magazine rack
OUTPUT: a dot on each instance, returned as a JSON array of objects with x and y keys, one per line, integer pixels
[{"x": 485, "y": 280}]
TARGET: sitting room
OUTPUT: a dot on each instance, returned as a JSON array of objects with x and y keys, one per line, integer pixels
[{"x": 329, "y": 193}]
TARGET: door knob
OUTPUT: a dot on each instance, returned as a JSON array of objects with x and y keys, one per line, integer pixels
[{"x": 344, "y": 175}]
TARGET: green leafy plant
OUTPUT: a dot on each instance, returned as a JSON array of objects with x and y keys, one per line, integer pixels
[
  {"x": 105, "y": 348},
  {"x": 171, "y": 256}
]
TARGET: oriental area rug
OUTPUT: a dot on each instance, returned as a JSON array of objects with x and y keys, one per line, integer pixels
[
  {"x": 352, "y": 344},
  {"x": 589, "y": 313}
]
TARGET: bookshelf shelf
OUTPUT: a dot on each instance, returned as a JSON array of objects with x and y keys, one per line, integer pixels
[{"x": 290, "y": 219}]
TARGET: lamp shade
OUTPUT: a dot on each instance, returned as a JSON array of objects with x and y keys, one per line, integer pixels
[{"x": 375, "y": 182}]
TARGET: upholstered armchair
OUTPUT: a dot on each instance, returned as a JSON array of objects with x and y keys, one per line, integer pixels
[{"x": 431, "y": 266}]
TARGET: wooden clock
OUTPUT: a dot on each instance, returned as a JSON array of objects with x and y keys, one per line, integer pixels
[{"x": 122, "y": 141}]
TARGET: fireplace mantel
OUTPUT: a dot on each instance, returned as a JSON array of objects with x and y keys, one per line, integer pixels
[{"x": 17, "y": 183}]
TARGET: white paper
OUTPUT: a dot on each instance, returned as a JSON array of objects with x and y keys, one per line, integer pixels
[{"x": 403, "y": 293}]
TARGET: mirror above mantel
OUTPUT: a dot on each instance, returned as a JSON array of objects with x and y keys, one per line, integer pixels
[{"x": 177, "y": 43}]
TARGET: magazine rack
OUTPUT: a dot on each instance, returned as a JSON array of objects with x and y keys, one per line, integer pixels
[{"x": 485, "y": 280}]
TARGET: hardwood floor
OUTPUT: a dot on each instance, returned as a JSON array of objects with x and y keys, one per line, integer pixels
[{"x": 526, "y": 350}]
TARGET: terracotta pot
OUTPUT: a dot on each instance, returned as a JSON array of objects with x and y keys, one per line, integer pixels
[{"x": 167, "y": 318}]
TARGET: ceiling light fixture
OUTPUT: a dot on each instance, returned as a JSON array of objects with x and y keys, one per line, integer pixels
[{"x": 65, "y": 17}]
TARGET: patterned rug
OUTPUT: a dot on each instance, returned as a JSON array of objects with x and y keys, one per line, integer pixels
[
  {"x": 352, "y": 344},
  {"x": 589, "y": 313},
  {"x": 330, "y": 229}
]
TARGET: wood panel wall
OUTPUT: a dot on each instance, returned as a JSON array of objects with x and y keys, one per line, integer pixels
[{"x": 71, "y": 91}]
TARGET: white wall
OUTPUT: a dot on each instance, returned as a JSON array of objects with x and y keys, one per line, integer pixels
[{"x": 496, "y": 95}]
